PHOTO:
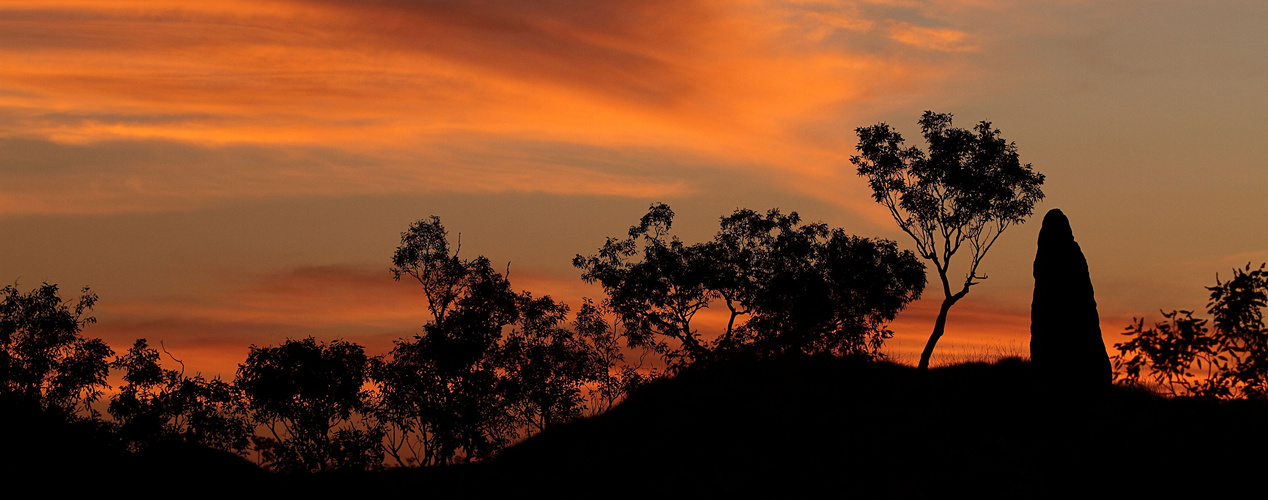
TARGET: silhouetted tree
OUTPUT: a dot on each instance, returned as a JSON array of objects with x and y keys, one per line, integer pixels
[
  {"x": 616, "y": 379},
  {"x": 442, "y": 391},
  {"x": 657, "y": 295},
  {"x": 805, "y": 288},
  {"x": 157, "y": 405},
  {"x": 967, "y": 190},
  {"x": 808, "y": 288},
  {"x": 463, "y": 389},
  {"x": 309, "y": 395},
  {"x": 43, "y": 359},
  {"x": 742, "y": 257},
  {"x": 550, "y": 362},
  {"x": 1236, "y": 307},
  {"x": 1227, "y": 359}
]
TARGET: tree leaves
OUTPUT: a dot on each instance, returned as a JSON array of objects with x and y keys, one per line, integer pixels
[
  {"x": 158, "y": 405},
  {"x": 307, "y": 393},
  {"x": 464, "y": 389},
  {"x": 800, "y": 286},
  {"x": 1231, "y": 354},
  {"x": 43, "y": 358}
]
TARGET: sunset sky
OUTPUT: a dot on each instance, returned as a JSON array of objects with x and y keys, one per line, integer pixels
[{"x": 235, "y": 172}]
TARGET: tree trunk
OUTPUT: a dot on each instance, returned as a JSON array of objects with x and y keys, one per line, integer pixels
[{"x": 938, "y": 327}]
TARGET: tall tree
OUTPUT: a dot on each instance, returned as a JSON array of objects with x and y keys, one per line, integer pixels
[
  {"x": 964, "y": 192},
  {"x": 43, "y": 359},
  {"x": 443, "y": 391}
]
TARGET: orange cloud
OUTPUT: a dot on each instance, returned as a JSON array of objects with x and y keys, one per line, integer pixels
[
  {"x": 212, "y": 330},
  {"x": 403, "y": 83},
  {"x": 940, "y": 39}
]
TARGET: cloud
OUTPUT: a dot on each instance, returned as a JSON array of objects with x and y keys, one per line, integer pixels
[
  {"x": 398, "y": 85},
  {"x": 939, "y": 39},
  {"x": 624, "y": 49},
  {"x": 358, "y": 303},
  {"x": 44, "y": 177}
]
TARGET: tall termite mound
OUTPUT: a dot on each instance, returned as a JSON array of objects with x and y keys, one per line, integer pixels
[{"x": 1066, "y": 348}]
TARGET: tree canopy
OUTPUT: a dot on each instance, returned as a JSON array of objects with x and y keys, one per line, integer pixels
[
  {"x": 43, "y": 359},
  {"x": 465, "y": 388},
  {"x": 491, "y": 365},
  {"x": 156, "y": 405},
  {"x": 799, "y": 287},
  {"x": 964, "y": 192},
  {"x": 306, "y": 394}
]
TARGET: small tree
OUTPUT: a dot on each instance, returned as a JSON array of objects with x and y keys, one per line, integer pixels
[
  {"x": 43, "y": 359},
  {"x": 967, "y": 190},
  {"x": 604, "y": 343},
  {"x": 550, "y": 362},
  {"x": 465, "y": 388},
  {"x": 307, "y": 394},
  {"x": 156, "y": 405}
]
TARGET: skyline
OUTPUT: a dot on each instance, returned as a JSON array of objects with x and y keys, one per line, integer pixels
[{"x": 239, "y": 173}]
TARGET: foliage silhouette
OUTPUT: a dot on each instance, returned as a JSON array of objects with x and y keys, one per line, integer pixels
[
  {"x": 463, "y": 389},
  {"x": 1227, "y": 359},
  {"x": 615, "y": 378},
  {"x": 441, "y": 391},
  {"x": 805, "y": 288},
  {"x": 307, "y": 395},
  {"x": 659, "y": 295},
  {"x": 43, "y": 359},
  {"x": 550, "y": 363},
  {"x": 157, "y": 405},
  {"x": 968, "y": 189}
]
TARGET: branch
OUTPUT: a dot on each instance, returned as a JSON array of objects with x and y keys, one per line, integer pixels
[
  {"x": 182, "y": 363},
  {"x": 979, "y": 251}
]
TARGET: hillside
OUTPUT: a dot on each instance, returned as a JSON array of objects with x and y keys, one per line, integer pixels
[
  {"x": 888, "y": 430},
  {"x": 826, "y": 425}
]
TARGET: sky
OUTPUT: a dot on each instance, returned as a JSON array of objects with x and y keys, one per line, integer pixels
[{"x": 236, "y": 173}]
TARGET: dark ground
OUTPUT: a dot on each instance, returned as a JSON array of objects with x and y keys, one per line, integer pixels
[{"x": 807, "y": 426}]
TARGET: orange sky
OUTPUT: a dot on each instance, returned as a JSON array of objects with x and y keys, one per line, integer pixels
[{"x": 238, "y": 172}]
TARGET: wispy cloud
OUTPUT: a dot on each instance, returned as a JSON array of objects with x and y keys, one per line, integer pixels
[
  {"x": 358, "y": 303},
  {"x": 394, "y": 88}
]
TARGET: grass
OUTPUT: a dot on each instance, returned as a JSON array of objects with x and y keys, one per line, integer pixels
[{"x": 976, "y": 353}]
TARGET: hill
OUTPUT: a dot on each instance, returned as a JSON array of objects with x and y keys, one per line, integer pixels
[
  {"x": 828, "y": 425},
  {"x": 808, "y": 425}
]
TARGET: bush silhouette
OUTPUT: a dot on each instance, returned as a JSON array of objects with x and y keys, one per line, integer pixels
[{"x": 1225, "y": 357}]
